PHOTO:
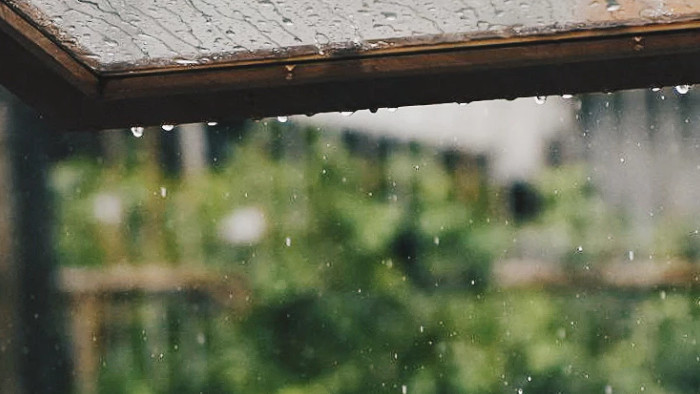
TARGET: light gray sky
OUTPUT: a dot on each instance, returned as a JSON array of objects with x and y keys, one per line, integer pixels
[{"x": 513, "y": 134}]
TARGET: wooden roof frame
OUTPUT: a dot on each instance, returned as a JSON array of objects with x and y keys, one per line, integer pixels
[{"x": 71, "y": 95}]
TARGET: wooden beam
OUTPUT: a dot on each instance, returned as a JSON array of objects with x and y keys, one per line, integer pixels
[
  {"x": 73, "y": 95},
  {"x": 459, "y": 75}
]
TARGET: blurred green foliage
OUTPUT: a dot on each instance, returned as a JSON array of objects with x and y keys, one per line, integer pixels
[{"x": 373, "y": 275}]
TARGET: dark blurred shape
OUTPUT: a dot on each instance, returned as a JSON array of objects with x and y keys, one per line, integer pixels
[
  {"x": 525, "y": 201},
  {"x": 554, "y": 153},
  {"x": 303, "y": 338},
  {"x": 32, "y": 327}
]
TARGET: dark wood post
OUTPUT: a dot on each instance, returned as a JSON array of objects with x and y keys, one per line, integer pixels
[{"x": 33, "y": 357}]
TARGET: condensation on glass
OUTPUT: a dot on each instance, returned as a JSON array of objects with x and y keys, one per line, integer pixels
[{"x": 119, "y": 35}]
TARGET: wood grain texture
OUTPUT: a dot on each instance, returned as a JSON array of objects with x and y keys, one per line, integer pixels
[{"x": 120, "y": 36}]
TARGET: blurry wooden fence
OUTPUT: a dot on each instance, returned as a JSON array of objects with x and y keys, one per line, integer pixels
[
  {"x": 95, "y": 296},
  {"x": 92, "y": 291}
]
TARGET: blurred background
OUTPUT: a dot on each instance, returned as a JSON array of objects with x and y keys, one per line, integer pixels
[{"x": 539, "y": 245}]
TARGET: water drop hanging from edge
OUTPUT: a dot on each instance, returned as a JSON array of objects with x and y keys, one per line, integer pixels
[
  {"x": 137, "y": 131},
  {"x": 167, "y": 127},
  {"x": 682, "y": 89},
  {"x": 540, "y": 99},
  {"x": 282, "y": 119}
]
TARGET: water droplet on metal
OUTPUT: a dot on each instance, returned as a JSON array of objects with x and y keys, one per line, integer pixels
[
  {"x": 137, "y": 131},
  {"x": 540, "y": 99}
]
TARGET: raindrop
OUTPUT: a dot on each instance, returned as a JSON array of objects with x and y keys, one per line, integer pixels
[
  {"x": 608, "y": 389},
  {"x": 163, "y": 191},
  {"x": 282, "y": 119},
  {"x": 662, "y": 294},
  {"x": 167, "y": 127},
  {"x": 682, "y": 89},
  {"x": 436, "y": 240},
  {"x": 422, "y": 329},
  {"x": 529, "y": 378},
  {"x": 613, "y": 6},
  {"x": 579, "y": 249},
  {"x": 137, "y": 131},
  {"x": 212, "y": 123},
  {"x": 390, "y": 16},
  {"x": 540, "y": 99},
  {"x": 346, "y": 113},
  {"x": 110, "y": 43},
  {"x": 655, "y": 89},
  {"x": 288, "y": 241},
  {"x": 404, "y": 389},
  {"x": 186, "y": 62},
  {"x": 567, "y": 96},
  {"x": 391, "y": 109},
  {"x": 630, "y": 255},
  {"x": 290, "y": 71}
]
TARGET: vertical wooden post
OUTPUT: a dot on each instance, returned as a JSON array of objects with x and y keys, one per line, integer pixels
[
  {"x": 34, "y": 352},
  {"x": 85, "y": 330}
]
